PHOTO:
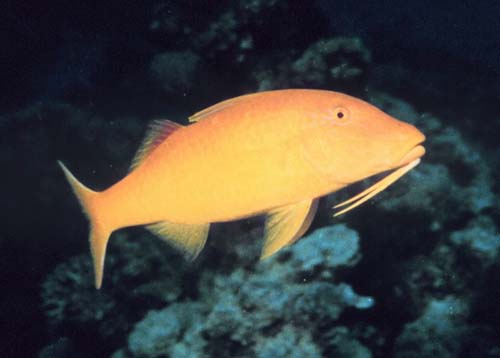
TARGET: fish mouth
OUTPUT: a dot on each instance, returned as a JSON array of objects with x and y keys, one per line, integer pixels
[
  {"x": 413, "y": 154},
  {"x": 409, "y": 161}
]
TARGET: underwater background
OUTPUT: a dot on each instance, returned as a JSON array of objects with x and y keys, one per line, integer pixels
[{"x": 415, "y": 272}]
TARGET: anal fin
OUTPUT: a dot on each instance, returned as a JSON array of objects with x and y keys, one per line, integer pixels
[
  {"x": 287, "y": 224},
  {"x": 188, "y": 238}
]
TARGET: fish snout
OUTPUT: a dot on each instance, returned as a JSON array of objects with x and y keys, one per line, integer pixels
[
  {"x": 419, "y": 137},
  {"x": 413, "y": 143}
]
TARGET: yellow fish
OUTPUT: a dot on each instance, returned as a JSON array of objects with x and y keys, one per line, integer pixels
[{"x": 272, "y": 153}]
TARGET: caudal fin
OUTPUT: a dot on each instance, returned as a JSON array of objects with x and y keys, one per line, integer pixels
[{"x": 99, "y": 234}]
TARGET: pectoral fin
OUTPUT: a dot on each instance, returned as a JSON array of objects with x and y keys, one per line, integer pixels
[
  {"x": 287, "y": 224},
  {"x": 189, "y": 239}
]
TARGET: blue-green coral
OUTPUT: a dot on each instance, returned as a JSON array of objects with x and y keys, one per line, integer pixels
[
  {"x": 246, "y": 312},
  {"x": 136, "y": 269},
  {"x": 238, "y": 312}
]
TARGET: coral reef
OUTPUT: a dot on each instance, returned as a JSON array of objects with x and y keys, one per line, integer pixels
[
  {"x": 451, "y": 165},
  {"x": 443, "y": 330},
  {"x": 333, "y": 60},
  {"x": 338, "y": 62},
  {"x": 236, "y": 313},
  {"x": 289, "y": 342},
  {"x": 437, "y": 333},
  {"x": 244, "y": 34},
  {"x": 233, "y": 32},
  {"x": 340, "y": 342},
  {"x": 141, "y": 273},
  {"x": 173, "y": 331},
  {"x": 454, "y": 265}
]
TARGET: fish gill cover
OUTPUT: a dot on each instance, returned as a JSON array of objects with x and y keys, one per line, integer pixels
[{"x": 414, "y": 273}]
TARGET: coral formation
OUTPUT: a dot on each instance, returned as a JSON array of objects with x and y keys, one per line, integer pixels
[
  {"x": 338, "y": 62},
  {"x": 236, "y": 313},
  {"x": 333, "y": 60},
  {"x": 451, "y": 165},
  {"x": 437, "y": 333},
  {"x": 446, "y": 270},
  {"x": 244, "y": 34},
  {"x": 289, "y": 342},
  {"x": 137, "y": 267},
  {"x": 340, "y": 342},
  {"x": 169, "y": 332}
]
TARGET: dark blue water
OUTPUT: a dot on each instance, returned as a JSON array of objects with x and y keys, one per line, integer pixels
[{"x": 411, "y": 273}]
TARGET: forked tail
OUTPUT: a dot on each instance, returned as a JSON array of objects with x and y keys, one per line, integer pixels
[{"x": 99, "y": 233}]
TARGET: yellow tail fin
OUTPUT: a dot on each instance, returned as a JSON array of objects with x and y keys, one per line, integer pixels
[{"x": 99, "y": 234}]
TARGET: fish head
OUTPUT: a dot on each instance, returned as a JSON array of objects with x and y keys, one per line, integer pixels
[{"x": 358, "y": 140}]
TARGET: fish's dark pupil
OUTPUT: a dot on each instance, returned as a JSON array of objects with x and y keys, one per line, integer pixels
[{"x": 340, "y": 115}]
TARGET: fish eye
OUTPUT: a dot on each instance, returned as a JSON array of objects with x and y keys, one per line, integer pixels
[{"x": 340, "y": 114}]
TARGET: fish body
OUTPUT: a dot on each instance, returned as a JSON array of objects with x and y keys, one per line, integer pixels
[{"x": 272, "y": 153}]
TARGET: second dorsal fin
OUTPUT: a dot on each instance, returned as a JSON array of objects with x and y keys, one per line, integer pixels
[
  {"x": 157, "y": 132},
  {"x": 198, "y": 116}
]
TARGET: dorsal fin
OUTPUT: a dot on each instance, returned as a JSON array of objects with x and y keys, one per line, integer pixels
[
  {"x": 198, "y": 116},
  {"x": 157, "y": 132}
]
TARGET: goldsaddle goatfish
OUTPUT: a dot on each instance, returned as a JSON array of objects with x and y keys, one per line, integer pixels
[{"x": 272, "y": 153}]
